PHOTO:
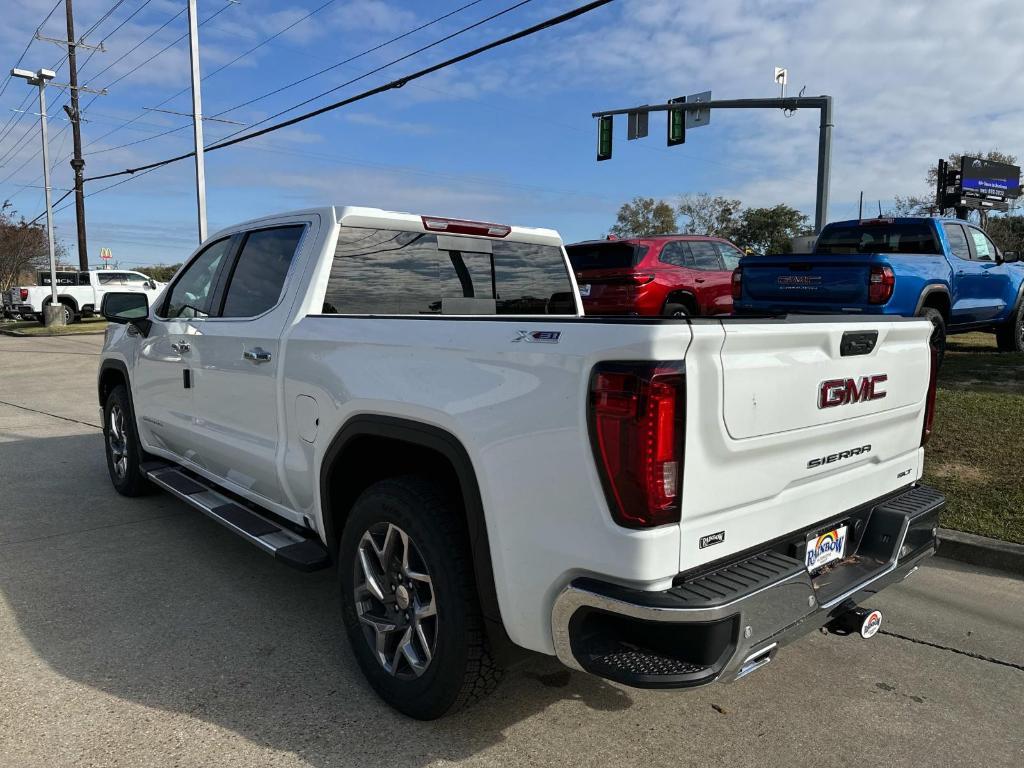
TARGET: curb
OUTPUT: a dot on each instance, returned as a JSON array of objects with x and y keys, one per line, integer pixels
[
  {"x": 981, "y": 550},
  {"x": 20, "y": 335}
]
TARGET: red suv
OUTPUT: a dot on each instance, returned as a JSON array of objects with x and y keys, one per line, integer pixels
[{"x": 663, "y": 275}]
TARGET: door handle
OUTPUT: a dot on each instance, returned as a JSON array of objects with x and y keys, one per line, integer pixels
[
  {"x": 257, "y": 355},
  {"x": 181, "y": 347},
  {"x": 699, "y": 280}
]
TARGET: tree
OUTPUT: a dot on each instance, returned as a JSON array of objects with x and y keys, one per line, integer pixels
[
  {"x": 643, "y": 217},
  {"x": 162, "y": 273},
  {"x": 769, "y": 230},
  {"x": 707, "y": 215},
  {"x": 23, "y": 247},
  {"x": 1007, "y": 232}
]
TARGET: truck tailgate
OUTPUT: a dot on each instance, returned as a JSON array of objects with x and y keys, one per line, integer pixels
[
  {"x": 786, "y": 431},
  {"x": 815, "y": 279}
]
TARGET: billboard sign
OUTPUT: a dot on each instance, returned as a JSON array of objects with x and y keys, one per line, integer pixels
[{"x": 989, "y": 178}]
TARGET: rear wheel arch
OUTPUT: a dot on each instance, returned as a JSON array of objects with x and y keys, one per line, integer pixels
[
  {"x": 370, "y": 448},
  {"x": 935, "y": 297},
  {"x": 686, "y": 298}
]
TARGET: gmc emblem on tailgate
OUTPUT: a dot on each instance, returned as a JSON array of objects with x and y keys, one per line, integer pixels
[{"x": 835, "y": 392}]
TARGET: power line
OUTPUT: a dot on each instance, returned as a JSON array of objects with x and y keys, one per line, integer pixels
[
  {"x": 282, "y": 88},
  {"x": 133, "y": 173},
  {"x": 30, "y": 41}
]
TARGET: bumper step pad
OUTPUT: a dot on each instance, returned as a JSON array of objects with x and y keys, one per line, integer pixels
[{"x": 305, "y": 553}]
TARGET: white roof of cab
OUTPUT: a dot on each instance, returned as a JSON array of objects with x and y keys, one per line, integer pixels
[{"x": 358, "y": 216}]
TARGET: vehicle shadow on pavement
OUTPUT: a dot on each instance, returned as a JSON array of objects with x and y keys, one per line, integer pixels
[{"x": 150, "y": 602}]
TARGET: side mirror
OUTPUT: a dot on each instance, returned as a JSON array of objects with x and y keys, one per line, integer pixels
[
  {"x": 1009, "y": 257},
  {"x": 127, "y": 309}
]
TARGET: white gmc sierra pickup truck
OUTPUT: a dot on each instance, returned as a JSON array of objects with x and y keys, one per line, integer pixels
[{"x": 420, "y": 401}]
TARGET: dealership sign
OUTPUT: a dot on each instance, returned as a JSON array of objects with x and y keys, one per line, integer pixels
[{"x": 988, "y": 178}]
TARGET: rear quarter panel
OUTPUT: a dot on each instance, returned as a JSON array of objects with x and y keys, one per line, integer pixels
[{"x": 520, "y": 411}]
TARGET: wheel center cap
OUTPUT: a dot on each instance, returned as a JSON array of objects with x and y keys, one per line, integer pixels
[{"x": 402, "y": 597}]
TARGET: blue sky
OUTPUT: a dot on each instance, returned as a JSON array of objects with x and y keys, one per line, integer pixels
[{"x": 508, "y": 136}]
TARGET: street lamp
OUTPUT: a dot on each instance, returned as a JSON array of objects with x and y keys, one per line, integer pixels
[{"x": 54, "y": 313}]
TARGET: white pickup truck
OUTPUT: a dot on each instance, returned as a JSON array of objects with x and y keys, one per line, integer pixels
[
  {"x": 421, "y": 402},
  {"x": 81, "y": 293}
]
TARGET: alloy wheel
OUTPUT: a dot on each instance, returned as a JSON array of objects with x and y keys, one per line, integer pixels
[
  {"x": 117, "y": 441},
  {"x": 394, "y": 600}
]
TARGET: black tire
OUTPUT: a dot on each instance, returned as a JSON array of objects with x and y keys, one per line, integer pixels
[
  {"x": 70, "y": 316},
  {"x": 672, "y": 309},
  {"x": 1010, "y": 335},
  {"x": 938, "y": 339},
  {"x": 121, "y": 444},
  {"x": 459, "y": 668}
]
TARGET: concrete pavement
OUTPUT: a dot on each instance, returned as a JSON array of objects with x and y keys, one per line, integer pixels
[{"x": 139, "y": 633}]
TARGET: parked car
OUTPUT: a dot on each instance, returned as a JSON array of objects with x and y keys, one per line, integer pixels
[
  {"x": 79, "y": 292},
  {"x": 946, "y": 270},
  {"x": 666, "y": 275},
  {"x": 419, "y": 401}
]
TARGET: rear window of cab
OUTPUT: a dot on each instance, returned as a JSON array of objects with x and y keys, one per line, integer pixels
[{"x": 879, "y": 236}]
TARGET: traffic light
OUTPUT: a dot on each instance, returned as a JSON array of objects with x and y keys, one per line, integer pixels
[
  {"x": 677, "y": 123},
  {"x": 604, "y": 137}
]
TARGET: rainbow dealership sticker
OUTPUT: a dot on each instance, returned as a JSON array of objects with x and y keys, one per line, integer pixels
[
  {"x": 872, "y": 623},
  {"x": 824, "y": 548}
]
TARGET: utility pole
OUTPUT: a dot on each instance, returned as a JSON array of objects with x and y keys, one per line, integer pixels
[
  {"x": 54, "y": 313},
  {"x": 197, "y": 118},
  {"x": 77, "y": 163}
]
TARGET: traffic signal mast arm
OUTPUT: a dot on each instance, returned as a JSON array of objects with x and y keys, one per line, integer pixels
[{"x": 822, "y": 103}]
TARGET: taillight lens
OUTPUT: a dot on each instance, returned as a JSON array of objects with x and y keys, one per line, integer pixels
[
  {"x": 929, "y": 403},
  {"x": 881, "y": 282},
  {"x": 24, "y": 294},
  {"x": 637, "y": 425},
  {"x": 737, "y": 284}
]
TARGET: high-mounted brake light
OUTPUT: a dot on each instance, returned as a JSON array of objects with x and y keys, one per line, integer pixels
[
  {"x": 737, "y": 284},
  {"x": 24, "y": 294},
  {"x": 881, "y": 282},
  {"x": 929, "y": 403},
  {"x": 637, "y": 426},
  {"x": 464, "y": 227}
]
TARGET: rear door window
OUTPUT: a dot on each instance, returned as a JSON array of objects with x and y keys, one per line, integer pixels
[
  {"x": 957, "y": 241},
  {"x": 257, "y": 278},
  {"x": 705, "y": 256}
]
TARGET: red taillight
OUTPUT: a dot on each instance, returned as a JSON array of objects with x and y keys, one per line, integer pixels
[
  {"x": 737, "y": 284},
  {"x": 929, "y": 403},
  {"x": 24, "y": 294},
  {"x": 463, "y": 227},
  {"x": 637, "y": 424},
  {"x": 881, "y": 282}
]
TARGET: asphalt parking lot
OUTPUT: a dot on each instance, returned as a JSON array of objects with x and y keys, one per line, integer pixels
[{"x": 139, "y": 633}]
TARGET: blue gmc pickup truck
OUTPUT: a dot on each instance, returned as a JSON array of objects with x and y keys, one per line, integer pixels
[{"x": 946, "y": 270}]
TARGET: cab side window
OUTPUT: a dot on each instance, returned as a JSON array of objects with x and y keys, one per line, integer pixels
[
  {"x": 957, "y": 241},
  {"x": 258, "y": 276},
  {"x": 191, "y": 294},
  {"x": 984, "y": 249}
]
